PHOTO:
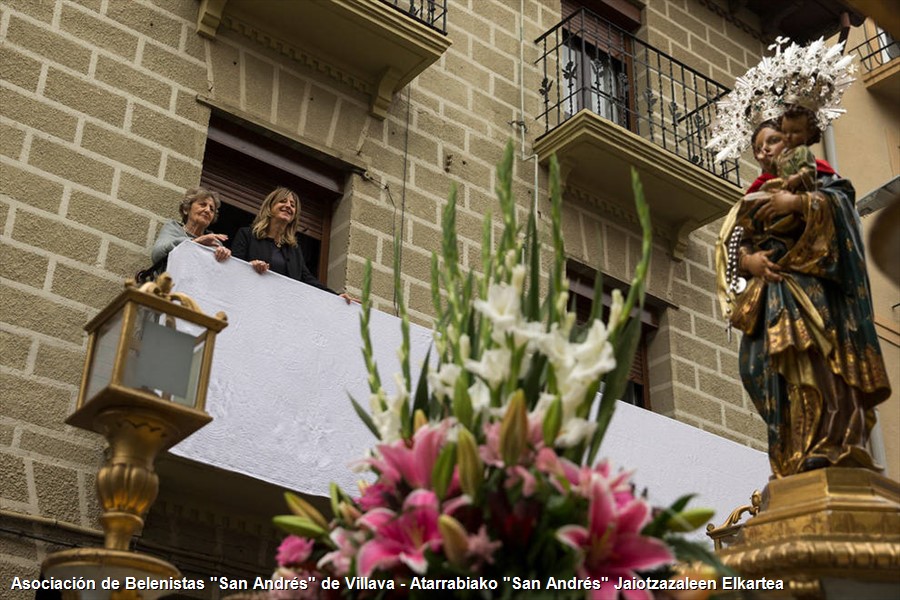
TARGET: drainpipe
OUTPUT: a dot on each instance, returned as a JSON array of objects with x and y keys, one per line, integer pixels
[
  {"x": 521, "y": 122},
  {"x": 828, "y": 135},
  {"x": 829, "y": 147}
]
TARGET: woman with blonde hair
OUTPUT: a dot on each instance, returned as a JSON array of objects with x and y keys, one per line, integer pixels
[{"x": 270, "y": 243}]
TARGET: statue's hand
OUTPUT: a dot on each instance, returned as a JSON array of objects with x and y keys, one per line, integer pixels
[
  {"x": 759, "y": 265},
  {"x": 779, "y": 204}
]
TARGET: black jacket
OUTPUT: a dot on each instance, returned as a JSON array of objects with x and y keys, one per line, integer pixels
[{"x": 247, "y": 246}]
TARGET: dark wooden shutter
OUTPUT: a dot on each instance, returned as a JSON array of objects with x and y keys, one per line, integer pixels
[
  {"x": 244, "y": 162},
  {"x": 244, "y": 182}
]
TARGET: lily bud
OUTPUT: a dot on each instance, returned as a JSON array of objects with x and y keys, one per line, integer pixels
[
  {"x": 552, "y": 422},
  {"x": 419, "y": 420},
  {"x": 471, "y": 469},
  {"x": 456, "y": 543},
  {"x": 299, "y": 526},
  {"x": 689, "y": 520},
  {"x": 349, "y": 512},
  {"x": 514, "y": 429},
  {"x": 302, "y": 508}
]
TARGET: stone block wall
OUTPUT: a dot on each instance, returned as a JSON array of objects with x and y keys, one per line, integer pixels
[{"x": 102, "y": 131}]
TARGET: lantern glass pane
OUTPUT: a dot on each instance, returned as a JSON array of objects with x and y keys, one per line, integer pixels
[
  {"x": 164, "y": 356},
  {"x": 104, "y": 358}
]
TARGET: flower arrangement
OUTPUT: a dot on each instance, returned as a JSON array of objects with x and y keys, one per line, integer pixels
[{"x": 485, "y": 473}]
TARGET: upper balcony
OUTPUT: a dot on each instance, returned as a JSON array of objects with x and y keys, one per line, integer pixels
[
  {"x": 610, "y": 101},
  {"x": 879, "y": 59},
  {"x": 290, "y": 356},
  {"x": 375, "y": 46}
]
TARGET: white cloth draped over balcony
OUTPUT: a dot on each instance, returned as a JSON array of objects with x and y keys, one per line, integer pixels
[{"x": 291, "y": 353}]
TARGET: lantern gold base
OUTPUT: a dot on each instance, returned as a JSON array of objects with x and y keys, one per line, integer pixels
[
  {"x": 824, "y": 533},
  {"x": 119, "y": 575}
]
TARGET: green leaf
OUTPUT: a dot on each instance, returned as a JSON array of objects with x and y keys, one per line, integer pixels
[
  {"x": 689, "y": 519},
  {"x": 436, "y": 285},
  {"x": 462, "y": 403},
  {"x": 531, "y": 383},
  {"x": 657, "y": 526},
  {"x": 552, "y": 422},
  {"x": 442, "y": 472},
  {"x": 616, "y": 380},
  {"x": 420, "y": 399},
  {"x": 365, "y": 417},
  {"x": 636, "y": 291}
]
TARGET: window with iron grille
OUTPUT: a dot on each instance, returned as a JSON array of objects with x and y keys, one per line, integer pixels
[{"x": 581, "y": 293}]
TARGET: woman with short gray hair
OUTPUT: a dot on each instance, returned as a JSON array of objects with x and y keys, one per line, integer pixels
[{"x": 199, "y": 209}]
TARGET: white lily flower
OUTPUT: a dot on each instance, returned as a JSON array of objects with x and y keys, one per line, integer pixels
[
  {"x": 480, "y": 394},
  {"x": 388, "y": 424},
  {"x": 443, "y": 380},
  {"x": 502, "y": 307},
  {"x": 594, "y": 356},
  {"x": 527, "y": 333},
  {"x": 574, "y": 431},
  {"x": 493, "y": 366},
  {"x": 556, "y": 347}
]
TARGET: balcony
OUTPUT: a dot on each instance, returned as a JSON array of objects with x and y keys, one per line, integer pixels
[
  {"x": 803, "y": 20},
  {"x": 291, "y": 354},
  {"x": 611, "y": 101},
  {"x": 374, "y": 46},
  {"x": 879, "y": 60}
]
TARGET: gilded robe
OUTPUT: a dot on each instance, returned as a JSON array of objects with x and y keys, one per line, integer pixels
[{"x": 809, "y": 357}]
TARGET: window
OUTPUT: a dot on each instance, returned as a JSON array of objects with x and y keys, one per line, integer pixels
[
  {"x": 581, "y": 292},
  {"x": 594, "y": 58},
  {"x": 594, "y": 80},
  {"x": 243, "y": 163}
]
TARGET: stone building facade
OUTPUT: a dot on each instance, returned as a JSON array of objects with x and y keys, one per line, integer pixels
[{"x": 107, "y": 107}]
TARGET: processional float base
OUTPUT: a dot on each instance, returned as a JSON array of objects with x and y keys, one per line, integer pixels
[{"x": 828, "y": 533}]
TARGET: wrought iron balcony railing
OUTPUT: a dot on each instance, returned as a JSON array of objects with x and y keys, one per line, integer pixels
[
  {"x": 430, "y": 12},
  {"x": 878, "y": 50},
  {"x": 589, "y": 63}
]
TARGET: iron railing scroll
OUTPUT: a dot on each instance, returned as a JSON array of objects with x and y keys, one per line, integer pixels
[
  {"x": 590, "y": 63},
  {"x": 430, "y": 12}
]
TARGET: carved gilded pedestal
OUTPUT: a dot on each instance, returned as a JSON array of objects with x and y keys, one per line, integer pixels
[{"x": 829, "y": 533}]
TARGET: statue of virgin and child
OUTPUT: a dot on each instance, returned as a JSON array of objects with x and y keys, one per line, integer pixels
[{"x": 791, "y": 270}]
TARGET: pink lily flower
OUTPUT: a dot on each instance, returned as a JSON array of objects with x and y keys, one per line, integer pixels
[
  {"x": 401, "y": 538},
  {"x": 412, "y": 464},
  {"x": 375, "y": 495},
  {"x": 340, "y": 560},
  {"x": 490, "y": 450},
  {"x": 612, "y": 546},
  {"x": 549, "y": 462},
  {"x": 294, "y": 550}
]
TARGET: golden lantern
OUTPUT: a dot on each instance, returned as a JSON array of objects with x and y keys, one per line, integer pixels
[{"x": 143, "y": 387}]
